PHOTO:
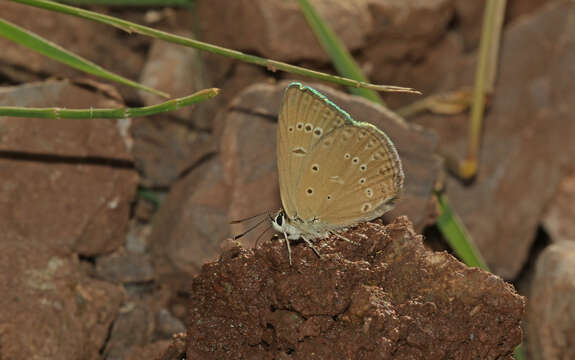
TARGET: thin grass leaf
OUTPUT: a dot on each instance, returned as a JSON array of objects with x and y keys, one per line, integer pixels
[
  {"x": 484, "y": 82},
  {"x": 271, "y": 65},
  {"x": 119, "y": 113},
  {"x": 51, "y": 50},
  {"x": 452, "y": 228},
  {"x": 341, "y": 58}
]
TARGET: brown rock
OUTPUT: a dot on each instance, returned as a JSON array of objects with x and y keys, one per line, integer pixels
[
  {"x": 558, "y": 220},
  {"x": 167, "y": 324},
  {"x": 149, "y": 351},
  {"x": 470, "y": 18},
  {"x": 133, "y": 327},
  {"x": 191, "y": 223},
  {"x": 48, "y": 309},
  {"x": 67, "y": 183},
  {"x": 387, "y": 297},
  {"x": 176, "y": 350},
  {"x": 126, "y": 267},
  {"x": 277, "y": 29},
  {"x": 551, "y": 310},
  {"x": 164, "y": 149},
  {"x": 76, "y": 35},
  {"x": 250, "y": 166},
  {"x": 517, "y": 8},
  {"x": 527, "y": 141},
  {"x": 403, "y": 30},
  {"x": 177, "y": 70}
]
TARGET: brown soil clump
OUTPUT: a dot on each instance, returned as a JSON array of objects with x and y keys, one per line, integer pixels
[{"x": 386, "y": 298}]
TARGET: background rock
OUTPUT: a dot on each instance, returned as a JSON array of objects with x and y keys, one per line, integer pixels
[
  {"x": 276, "y": 29},
  {"x": 49, "y": 309},
  {"x": 27, "y": 65},
  {"x": 523, "y": 157},
  {"x": 191, "y": 224},
  {"x": 558, "y": 220},
  {"x": 66, "y": 183},
  {"x": 551, "y": 311}
]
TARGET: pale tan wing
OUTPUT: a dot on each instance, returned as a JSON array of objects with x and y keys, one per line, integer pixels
[
  {"x": 305, "y": 117},
  {"x": 353, "y": 174}
]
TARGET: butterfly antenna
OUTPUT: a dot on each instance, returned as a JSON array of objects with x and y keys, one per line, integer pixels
[
  {"x": 248, "y": 218},
  {"x": 250, "y": 229},
  {"x": 261, "y": 235}
]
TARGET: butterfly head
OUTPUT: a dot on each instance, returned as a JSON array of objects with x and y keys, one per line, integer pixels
[{"x": 282, "y": 224}]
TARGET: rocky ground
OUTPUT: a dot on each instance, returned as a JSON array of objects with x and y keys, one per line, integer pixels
[{"x": 107, "y": 225}]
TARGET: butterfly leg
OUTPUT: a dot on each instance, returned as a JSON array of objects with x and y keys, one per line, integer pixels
[
  {"x": 308, "y": 242},
  {"x": 344, "y": 238},
  {"x": 288, "y": 247}
]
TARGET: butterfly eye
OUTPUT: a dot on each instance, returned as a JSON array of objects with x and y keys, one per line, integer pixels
[
  {"x": 315, "y": 167},
  {"x": 355, "y": 160},
  {"x": 309, "y": 191},
  {"x": 365, "y": 207},
  {"x": 290, "y": 129},
  {"x": 368, "y": 192},
  {"x": 347, "y": 156},
  {"x": 363, "y": 167},
  {"x": 318, "y": 132},
  {"x": 308, "y": 127},
  {"x": 279, "y": 219},
  {"x": 362, "y": 181},
  {"x": 299, "y": 126}
]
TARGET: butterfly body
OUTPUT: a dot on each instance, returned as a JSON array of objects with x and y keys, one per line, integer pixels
[{"x": 334, "y": 172}]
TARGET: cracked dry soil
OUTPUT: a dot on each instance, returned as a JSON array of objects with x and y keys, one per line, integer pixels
[{"x": 387, "y": 298}]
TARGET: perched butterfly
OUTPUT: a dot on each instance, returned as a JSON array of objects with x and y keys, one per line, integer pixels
[{"x": 334, "y": 172}]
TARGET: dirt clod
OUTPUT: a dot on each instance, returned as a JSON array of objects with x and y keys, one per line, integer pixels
[{"x": 386, "y": 298}]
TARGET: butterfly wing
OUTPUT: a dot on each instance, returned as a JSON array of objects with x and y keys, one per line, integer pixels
[
  {"x": 352, "y": 174},
  {"x": 305, "y": 118}
]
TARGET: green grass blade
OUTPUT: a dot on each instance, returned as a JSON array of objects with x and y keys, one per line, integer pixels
[
  {"x": 51, "y": 50},
  {"x": 119, "y": 113},
  {"x": 341, "y": 58},
  {"x": 457, "y": 236},
  {"x": 271, "y": 65}
]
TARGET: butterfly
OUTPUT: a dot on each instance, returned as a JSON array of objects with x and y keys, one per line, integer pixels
[{"x": 333, "y": 172}]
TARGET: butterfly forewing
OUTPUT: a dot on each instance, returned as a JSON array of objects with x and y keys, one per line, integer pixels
[{"x": 304, "y": 119}]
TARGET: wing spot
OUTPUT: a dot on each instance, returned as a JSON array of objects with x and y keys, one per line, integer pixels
[
  {"x": 300, "y": 151},
  {"x": 290, "y": 129},
  {"x": 309, "y": 191},
  {"x": 363, "y": 167},
  {"x": 299, "y": 126},
  {"x": 315, "y": 168},
  {"x": 327, "y": 143},
  {"x": 362, "y": 181},
  {"x": 369, "y": 192},
  {"x": 355, "y": 160},
  {"x": 365, "y": 207},
  {"x": 329, "y": 197},
  {"x": 347, "y": 156},
  {"x": 318, "y": 132},
  {"x": 308, "y": 127}
]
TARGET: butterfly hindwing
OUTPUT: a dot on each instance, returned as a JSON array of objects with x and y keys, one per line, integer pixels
[{"x": 353, "y": 174}]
